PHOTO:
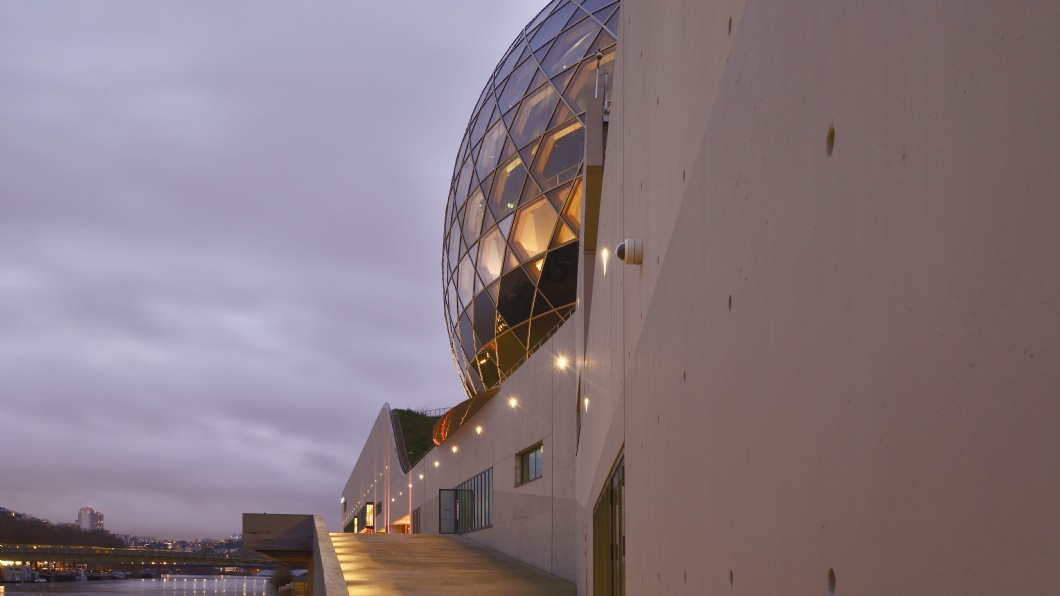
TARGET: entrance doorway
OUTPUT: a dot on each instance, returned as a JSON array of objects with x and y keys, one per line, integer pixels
[{"x": 609, "y": 536}]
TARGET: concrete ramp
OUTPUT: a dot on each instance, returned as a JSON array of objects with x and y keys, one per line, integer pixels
[{"x": 435, "y": 564}]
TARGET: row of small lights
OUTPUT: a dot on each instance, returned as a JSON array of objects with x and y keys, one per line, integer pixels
[{"x": 561, "y": 363}]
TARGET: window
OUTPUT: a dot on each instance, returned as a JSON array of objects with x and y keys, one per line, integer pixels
[
  {"x": 530, "y": 464},
  {"x": 473, "y": 503}
]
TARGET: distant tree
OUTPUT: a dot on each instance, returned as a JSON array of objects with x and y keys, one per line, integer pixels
[
  {"x": 281, "y": 577},
  {"x": 22, "y": 529}
]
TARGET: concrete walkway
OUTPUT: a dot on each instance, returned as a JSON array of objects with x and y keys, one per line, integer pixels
[{"x": 435, "y": 564}]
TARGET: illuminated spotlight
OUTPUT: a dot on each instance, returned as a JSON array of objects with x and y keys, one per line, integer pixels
[
  {"x": 478, "y": 429},
  {"x": 436, "y": 464},
  {"x": 391, "y": 499},
  {"x": 455, "y": 448},
  {"x": 586, "y": 402},
  {"x": 561, "y": 362},
  {"x": 603, "y": 257},
  {"x": 513, "y": 402},
  {"x": 410, "y": 484},
  {"x": 421, "y": 475}
]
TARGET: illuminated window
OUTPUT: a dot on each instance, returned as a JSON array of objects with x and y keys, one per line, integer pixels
[{"x": 530, "y": 464}]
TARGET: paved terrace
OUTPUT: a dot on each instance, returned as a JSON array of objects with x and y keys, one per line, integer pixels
[{"x": 435, "y": 564}]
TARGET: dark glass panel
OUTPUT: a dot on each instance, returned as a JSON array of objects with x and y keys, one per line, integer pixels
[
  {"x": 522, "y": 332},
  {"x": 511, "y": 60},
  {"x": 516, "y": 297},
  {"x": 505, "y": 225},
  {"x": 467, "y": 336},
  {"x": 552, "y": 26},
  {"x": 485, "y": 186},
  {"x": 454, "y": 243},
  {"x": 563, "y": 113},
  {"x": 476, "y": 205},
  {"x": 484, "y": 118},
  {"x": 490, "y": 375},
  {"x": 613, "y": 24},
  {"x": 541, "y": 327},
  {"x": 494, "y": 290},
  {"x": 534, "y": 115},
  {"x": 561, "y": 80},
  {"x": 540, "y": 53},
  {"x": 460, "y": 154},
  {"x": 495, "y": 117},
  {"x": 565, "y": 311},
  {"x": 570, "y": 48},
  {"x": 485, "y": 318},
  {"x": 560, "y": 155},
  {"x": 558, "y": 196},
  {"x": 509, "y": 117},
  {"x": 582, "y": 86},
  {"x": 476, "y": 380},
  {"x": 490, "y": 153},
  {"x": 466, "y": 178},
  {"x": 594, "y": 5},
  {"x": 603, "y": 40},
  {"x": 509, "y": 148},
  {"x": 517, "y": 84},
  {"x": 505, "y": 195},
  {"x": 573, "y": 211},
  {"x": 559, "y": 279},
  {"x": 544, "y": 13},
  {"x": 539, "y": 79},
  {"x": 530, "y": 191},
  {"x": 528, "y": 153},
  {"x": 509, "y": 351},
  {"x": 541, "y": 305},
  {"x": 488, "y": 221}
]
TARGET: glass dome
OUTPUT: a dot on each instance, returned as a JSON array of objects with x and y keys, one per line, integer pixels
[{"x": 510, "y": 254}]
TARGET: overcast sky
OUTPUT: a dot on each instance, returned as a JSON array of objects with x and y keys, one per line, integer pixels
[{"x": 220, "y": 245}]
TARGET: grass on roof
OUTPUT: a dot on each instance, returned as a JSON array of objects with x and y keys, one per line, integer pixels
[{"x": 416, "y": 428}]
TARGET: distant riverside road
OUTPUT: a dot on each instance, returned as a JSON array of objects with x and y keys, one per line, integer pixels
[{"x": 130, "y": 556}]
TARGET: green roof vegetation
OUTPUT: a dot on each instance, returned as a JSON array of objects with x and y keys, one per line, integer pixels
[{"x": 416, "y": 428}]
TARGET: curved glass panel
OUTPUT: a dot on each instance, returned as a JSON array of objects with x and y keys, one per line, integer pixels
[{"x": 510, "y": 252}]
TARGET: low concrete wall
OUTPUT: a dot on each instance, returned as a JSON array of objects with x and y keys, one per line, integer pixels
[{"x": 300, "y": 540}]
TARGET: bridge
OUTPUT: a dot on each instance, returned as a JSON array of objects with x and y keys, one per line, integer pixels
[{"x": 34, "y": 553}]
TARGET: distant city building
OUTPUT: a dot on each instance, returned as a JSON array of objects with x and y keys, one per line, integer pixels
[{"x": 89, "y": 519}]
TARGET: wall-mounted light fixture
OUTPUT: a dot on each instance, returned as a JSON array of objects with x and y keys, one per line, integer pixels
[{"x": 630, "y": 251}]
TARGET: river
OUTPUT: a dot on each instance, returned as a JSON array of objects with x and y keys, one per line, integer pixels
[{"x": 167, "y": 585}]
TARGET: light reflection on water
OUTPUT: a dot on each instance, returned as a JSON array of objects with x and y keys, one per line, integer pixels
[{"x": 168, "y": 585}]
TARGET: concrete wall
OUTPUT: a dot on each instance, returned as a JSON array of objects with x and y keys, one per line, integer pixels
[
  {"x": 843, "y": 361},
  {"x": 534, "y": 522}
]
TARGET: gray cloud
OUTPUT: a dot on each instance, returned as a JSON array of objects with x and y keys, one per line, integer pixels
[{"x": 220, "y": 236}]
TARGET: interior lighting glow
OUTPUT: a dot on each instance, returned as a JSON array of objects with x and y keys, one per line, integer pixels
[
  {"x": 478, "y": 430},
  {"x": 513, "y": 402}
]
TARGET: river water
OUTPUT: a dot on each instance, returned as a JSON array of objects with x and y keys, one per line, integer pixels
[{"x": 167, "y": 585}]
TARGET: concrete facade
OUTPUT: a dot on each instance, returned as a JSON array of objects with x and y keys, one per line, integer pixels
[
  {"x": 534, "y": 522},
  {"x": 837, "y": 368}
]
